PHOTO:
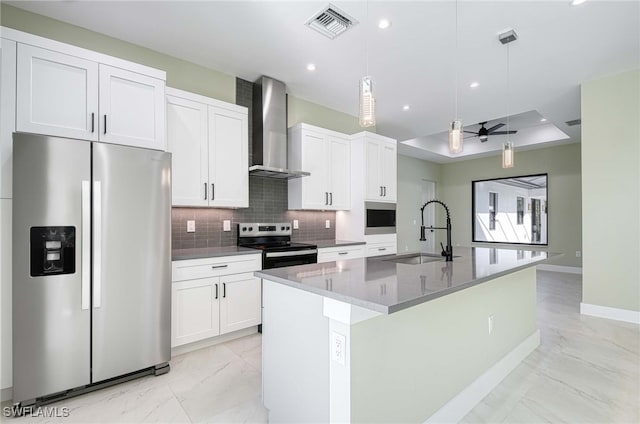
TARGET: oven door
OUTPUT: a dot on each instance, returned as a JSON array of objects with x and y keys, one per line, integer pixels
[{"x": 289, "y": 258}]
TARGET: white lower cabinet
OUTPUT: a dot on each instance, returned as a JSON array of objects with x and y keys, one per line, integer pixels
[
  {"x": 208, "y": 299},
  {"x": 381, "y": 244},
  {"x": 340, "y": 253}
]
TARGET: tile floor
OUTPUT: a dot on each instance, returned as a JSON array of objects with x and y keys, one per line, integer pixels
[{"x": 585, "y": 370}]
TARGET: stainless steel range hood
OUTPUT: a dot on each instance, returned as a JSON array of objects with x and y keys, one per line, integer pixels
[{"x": 269, "y": 156}]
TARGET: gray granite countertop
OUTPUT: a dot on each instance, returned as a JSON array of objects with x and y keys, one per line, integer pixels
[
  {"x": 210, "y": 252},
  {"x": 384, "y": 286},
  {"x": 333, "y": 243}
]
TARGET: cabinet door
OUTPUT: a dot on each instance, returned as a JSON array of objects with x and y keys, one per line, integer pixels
[
  {"x": 228, "y": 158},
  {"x": 315, "y": 193},
  {"x": 241, "y": 302},
  {"x": 56, "y": 94},
  {"x": 388, "y": 168},
  {"x": 373, "y": 188},
  {"x": 131, "y": 109},
  {"x": 194, "y": 310},
  {"x": 188, "y": 142},
  {"x": 339, "y": 173}
]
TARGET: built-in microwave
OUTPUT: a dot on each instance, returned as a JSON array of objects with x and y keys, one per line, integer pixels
[{"x": 380, "y": 218}]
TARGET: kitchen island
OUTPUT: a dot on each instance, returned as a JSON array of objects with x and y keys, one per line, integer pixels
[{"x": 405, "y": 338}]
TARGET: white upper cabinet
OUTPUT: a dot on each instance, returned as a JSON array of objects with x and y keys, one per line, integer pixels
[
  {"x": 74, "y": 96},
  {"x": 209, "y": 141},
  {"x": 187, "y": 140},
  {"x": 326, "y": 155},
  {"x": 229, "y": 157},
  {"x": 380, "y": 166},
  {"x": 57, "y": 94},
  {"x": 131, "y": 108}
]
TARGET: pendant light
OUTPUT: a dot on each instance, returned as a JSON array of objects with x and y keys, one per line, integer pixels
[
  {"x": 456, "y": 132},
  {"x": 508, "y": 152},
  {"x": 367, "y": 116}
]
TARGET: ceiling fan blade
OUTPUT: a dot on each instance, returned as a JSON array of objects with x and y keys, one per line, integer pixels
[
  {"x": 495, "y": 127},
  {"x": 504, "y": 132},
  {"x": 471, "y": 132}
]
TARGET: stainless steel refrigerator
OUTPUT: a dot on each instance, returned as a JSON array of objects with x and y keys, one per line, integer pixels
[{"x": 91, "y": 265}]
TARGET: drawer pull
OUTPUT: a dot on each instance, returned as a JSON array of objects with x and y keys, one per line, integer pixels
[
  {"x": 343, "y": 253},
  {"x": 380, "y": 249},
  {"x": 219, "y": 266}
]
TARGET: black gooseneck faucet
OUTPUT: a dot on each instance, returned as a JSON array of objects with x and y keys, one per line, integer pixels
[{"x": 446, "y": 251}]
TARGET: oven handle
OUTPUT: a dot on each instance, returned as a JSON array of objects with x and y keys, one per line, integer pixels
[{"x": 292, "y": 253}]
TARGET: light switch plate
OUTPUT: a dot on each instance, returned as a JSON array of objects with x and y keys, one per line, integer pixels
[
  {"x": 327, "y": 224},
  {"x": 191, "y": 226},
  {"x": 226, "y": 225},
  {"x": 295, "y": 224}
]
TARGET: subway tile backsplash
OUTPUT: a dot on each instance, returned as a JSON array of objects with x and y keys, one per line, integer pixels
[{"x": 267, "y": 203}]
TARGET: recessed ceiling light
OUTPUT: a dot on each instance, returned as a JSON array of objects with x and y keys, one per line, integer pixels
[
  {"x": 577, "y": 2},
  {"x": 384, "y": 23},
  {"x": 543, "y": 120},
  {"x": 406, "y": 107},
  {"x": 311, "y": 67},
  {"x": 474, "y": 84}
]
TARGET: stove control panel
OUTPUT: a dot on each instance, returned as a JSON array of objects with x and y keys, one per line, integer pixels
[{"x": 257, "y": 229}]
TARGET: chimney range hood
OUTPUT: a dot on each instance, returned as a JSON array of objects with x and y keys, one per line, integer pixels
[{"x": 269, "y": 155}]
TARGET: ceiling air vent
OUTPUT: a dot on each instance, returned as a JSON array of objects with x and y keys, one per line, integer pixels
[
  {"x": 330, "y": 22},
  {"x": 574, "y": 122}
]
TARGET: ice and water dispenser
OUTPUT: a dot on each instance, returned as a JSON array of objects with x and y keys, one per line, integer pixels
[{"x": 53, "y": 251}]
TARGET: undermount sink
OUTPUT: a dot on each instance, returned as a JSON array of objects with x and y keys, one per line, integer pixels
[{"x": 416, "y": 258}]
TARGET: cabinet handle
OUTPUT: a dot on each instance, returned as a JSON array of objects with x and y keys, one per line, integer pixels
[
  {"x": 380, "y": 191},
  {"x": 93, "y": 122},
  {"x": 213, "y": 192},
  {"x": 219, "y": 266},
  {"x": 216, "y": 290},
  {"x": 105, "y": 124},
  {"x": 326, "y": 198},
  {"x": 205, "y": 191},
  {"x": 224, "y": 289},
  {"x": 331, "y": 198},
  {"x": 343, "y": 253},
  {"x": 384, "y": 191},
  {"x": 382, "y": 249}
]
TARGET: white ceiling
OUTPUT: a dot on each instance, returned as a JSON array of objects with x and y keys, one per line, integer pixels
[{"x": 413, "y": 62}]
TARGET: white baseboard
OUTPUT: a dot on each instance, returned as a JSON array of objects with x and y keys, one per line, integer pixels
[
  {"x": 6, "y": 394},
  {"x": 560, "y": 268},
  {"x": 610, "y": 313},
  {"x": 454, "y": 410},
  {"x": 190, "y": 347}
]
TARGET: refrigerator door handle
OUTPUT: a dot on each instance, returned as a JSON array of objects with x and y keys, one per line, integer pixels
[
  {"x": 97, "y": 244},
  {"x": 86, "y": 248}
]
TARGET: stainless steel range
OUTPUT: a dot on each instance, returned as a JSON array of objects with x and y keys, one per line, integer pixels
[{"x": 275, "y": 242}]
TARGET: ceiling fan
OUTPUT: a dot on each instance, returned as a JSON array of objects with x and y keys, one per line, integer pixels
[{"x": 484, "y": 133}]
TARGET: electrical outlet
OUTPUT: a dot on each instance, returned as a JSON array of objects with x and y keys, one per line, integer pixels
[
  {"x": 226, "y": 225},
  {"x": 191, "y": 226},
  {"x": 414, "y": 222},
  {"x": 578, "y": 253},
  {"x": 327, "y": 224},
  {"x": 490, "y": 323},
  {"x": 338, "y": 347},
  {"x": 296, "y": 224}
]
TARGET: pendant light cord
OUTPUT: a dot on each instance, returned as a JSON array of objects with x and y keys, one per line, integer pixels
[
  {"x": 366, "y": 40},
  {"x": 508, "y": 91},
  {"x": 456, "y": 64}
]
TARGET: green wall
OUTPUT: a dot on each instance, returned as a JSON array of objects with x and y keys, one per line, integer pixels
[
  {"x": 300, "y": 110},
  {"x": 611, "y": 195},
  {"x": 562, "y": 163},
  {"x": 411, "y": 173}
]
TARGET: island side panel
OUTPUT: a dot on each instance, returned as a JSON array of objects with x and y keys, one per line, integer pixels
[
  {"x": 295, "y": 355},
  {"x": 407, "y": 365}
]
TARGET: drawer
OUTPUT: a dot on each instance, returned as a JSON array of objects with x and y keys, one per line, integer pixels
[
  {"x": 338, "y": 253},
  {"x": 379, "y": 249},
  {"x": 215, "y": 267}
]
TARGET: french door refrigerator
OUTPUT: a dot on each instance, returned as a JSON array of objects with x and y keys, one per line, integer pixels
[{"x": 91, "y": 265}]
